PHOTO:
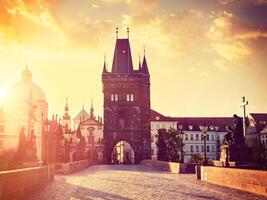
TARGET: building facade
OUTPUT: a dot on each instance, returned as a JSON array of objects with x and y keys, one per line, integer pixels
[
  {"x": 25, "y": 109},
  {"x": 192, "y": 134},
  {"x": 126, "y": 104}
]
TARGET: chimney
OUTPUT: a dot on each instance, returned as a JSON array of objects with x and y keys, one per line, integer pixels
[
  {"x": 53, "y": 117},
  {"x": 56, "y": 117}
]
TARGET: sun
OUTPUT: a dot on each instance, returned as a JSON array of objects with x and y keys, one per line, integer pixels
[{"x": 3, "y": 94}]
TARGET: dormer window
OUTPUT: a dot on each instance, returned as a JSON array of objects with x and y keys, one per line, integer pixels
[{"x": 190, "y": 127}]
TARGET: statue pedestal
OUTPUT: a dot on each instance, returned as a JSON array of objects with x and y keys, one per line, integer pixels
[{"x": 235, "y": 155}]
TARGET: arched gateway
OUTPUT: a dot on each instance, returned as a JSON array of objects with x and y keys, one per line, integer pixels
[
  {"x": 122, "y": 153},
  {"x": 126, "y": 104}
]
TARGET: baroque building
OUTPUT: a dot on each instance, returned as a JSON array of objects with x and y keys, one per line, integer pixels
[
  {"x": 25, "y": 109},
  {"x": 126, "y": 104}
]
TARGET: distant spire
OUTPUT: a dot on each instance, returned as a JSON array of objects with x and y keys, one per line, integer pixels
[
  {"x": 92, "y": 110},
  {"x": 66, "y": 107},
  {"x": 117, "y": 32},
  {"x": 105, "y": 65},
  {"x": 128, "y": 32},
  {"x": 140, "y": 67},
  {"x": 83, "y": 107},
  {"x": 144, "y": 69}
]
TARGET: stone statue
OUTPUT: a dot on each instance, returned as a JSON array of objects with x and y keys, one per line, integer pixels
[
  {"x": 235, "y": 135},
  {"x": 234, "y": 150}
]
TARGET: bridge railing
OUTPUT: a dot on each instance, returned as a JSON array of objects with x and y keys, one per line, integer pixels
[
  {"x": 254, "y": 181},
  {"x": 71, "y": 167},
  {"x": 16, "y": 184},
  {"x": 172, "y": 167}
]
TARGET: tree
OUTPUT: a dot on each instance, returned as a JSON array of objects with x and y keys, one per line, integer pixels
[
  {"x": 196, "y": 158},
  {"x": 162, "y": 147},
  {"x": 20, "y": 155},
  {"x": 170, "y": 145}
]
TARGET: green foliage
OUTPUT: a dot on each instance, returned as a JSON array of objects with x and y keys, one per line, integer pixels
[
  {"x": 196, "y": 158},
  {"x": 170, "y": 145}
]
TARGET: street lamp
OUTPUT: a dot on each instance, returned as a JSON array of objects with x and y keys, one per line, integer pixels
[
  {"x": 204, "y": 130},
  {"x": 47, "y": 127},
  {"x": 180, "y": 127}
]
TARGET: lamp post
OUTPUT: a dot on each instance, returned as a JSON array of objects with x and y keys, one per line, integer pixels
[
  {"x": 180, "y": 127},
  {"x": 47, "y": 126},
  {"x": 204, "y": 130}
]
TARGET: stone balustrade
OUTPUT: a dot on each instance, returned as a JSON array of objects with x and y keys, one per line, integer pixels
[
  {"x": 17, "y": 184},
  {"x": 172, "y": 167},
  {"x": 71, "y": 167},
  {"x": 254, "y": 181}
]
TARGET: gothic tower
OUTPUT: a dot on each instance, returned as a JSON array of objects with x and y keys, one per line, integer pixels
[{"x": 126, "y": 103}]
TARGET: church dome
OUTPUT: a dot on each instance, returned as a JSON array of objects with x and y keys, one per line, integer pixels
[{"x": 25, "y": 88}]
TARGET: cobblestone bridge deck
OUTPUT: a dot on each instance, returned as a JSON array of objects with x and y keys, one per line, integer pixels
[{"x": 123, "y": 182}]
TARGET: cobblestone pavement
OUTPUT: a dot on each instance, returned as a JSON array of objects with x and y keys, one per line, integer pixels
[{"x": 121, "y": 182}]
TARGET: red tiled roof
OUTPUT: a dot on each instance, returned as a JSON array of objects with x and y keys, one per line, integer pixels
[
  {"x": 193, "y": 123},
  {"x": 259, "y": 116}
]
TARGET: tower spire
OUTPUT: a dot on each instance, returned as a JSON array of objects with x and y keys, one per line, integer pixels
[
  {"x": 105, "y": 65},
  {"x": 66, "y": 107},
  {"x": 140, "y": 67},
  {"x": 92, "y": 110},
  {"x": 144, "y": 69}
]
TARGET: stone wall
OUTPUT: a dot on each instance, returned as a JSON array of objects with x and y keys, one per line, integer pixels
[
  {"x": 71, "y": 167},
  {"x": 254, "y": 181},
  {"x": 17, "y": 184},
  {"x": 172, "y": 167}
]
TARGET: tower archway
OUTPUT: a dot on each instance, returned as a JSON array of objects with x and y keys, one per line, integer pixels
[{"x": 123, "y": 153}]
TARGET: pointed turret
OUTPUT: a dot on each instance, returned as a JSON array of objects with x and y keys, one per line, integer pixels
[
  {"x": 105, "y": 65},
  {"x": 66, "y": 115},
  {"x": 144, "y": 69}
]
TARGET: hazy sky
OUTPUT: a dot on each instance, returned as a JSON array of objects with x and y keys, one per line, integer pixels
[{"x": 203, "y": 55}]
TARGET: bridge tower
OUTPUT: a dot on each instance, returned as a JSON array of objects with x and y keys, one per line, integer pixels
[{"x": 126, "y": 103}]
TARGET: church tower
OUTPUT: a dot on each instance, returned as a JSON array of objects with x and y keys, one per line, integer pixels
[
  {"x": 66, "y": 120},
  {"x": 126, "y": 103}
]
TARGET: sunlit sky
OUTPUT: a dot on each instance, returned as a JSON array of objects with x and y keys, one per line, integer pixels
[{"x": 203, "y": 56}]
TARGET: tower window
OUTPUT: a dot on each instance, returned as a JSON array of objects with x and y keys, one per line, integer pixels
[
  {"x": 128, "y": 97},
  {"x": 116, "y": 97},
  {"x": 132, "y": 97}
]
